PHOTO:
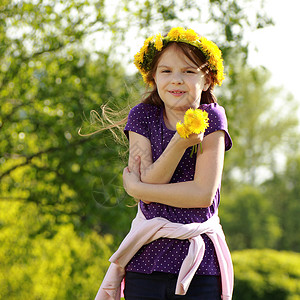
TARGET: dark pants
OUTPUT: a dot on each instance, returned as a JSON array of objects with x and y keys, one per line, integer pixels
[{"x": 161, "y": 286}]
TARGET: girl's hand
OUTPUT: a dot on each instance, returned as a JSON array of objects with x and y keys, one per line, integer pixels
[
  {"x": 193, "y": 139},
  {"x": 131, "y": 178}
]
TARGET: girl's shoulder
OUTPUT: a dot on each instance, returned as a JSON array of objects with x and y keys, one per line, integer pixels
[
  {"x": 145, "y": 110},
  {"x": 215, "y": 111},
  {"x": 142, "y": 118},
  {"x": 212, "y": 107},
  {"x": 217, "y": 121}
]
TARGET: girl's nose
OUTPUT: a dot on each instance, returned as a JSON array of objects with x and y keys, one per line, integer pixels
[{"x": 177, "y": 78}]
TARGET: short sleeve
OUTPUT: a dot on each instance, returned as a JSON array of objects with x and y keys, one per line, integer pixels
[
  {"x": 138, "y": 121},
  {"x": 217, "y": 121}
]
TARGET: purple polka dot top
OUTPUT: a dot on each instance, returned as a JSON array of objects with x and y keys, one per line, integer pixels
[{"x": 166, "y": 255}]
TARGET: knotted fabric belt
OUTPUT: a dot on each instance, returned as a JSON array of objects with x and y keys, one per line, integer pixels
[{"x": 144, "y": 231}]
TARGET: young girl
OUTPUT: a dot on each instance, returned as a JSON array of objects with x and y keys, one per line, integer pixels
[{"x": 176, "y": 248}]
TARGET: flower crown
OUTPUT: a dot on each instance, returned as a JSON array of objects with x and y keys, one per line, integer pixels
[{"x": 143, "y": 59}]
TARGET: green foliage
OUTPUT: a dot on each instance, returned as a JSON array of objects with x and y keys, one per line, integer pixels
[
  {"x": 266, "y": 274},
  {"x": 284, "y": 187},
  {"x": 62, "y": 195},
  {"x": 44, "y": 160},
  {"x": 49, "y": 81},
  {"x": 248, "y": 219},
  {"x": 41, "y": 260},
  {"x": 263, "y": 133},
  {"x": 260, "y": 128},
  {"x": 231, "y": 18},
  {"x": 265, "y": 216}
]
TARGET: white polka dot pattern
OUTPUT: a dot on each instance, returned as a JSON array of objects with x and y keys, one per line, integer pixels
[{"x": 166, "y": 255}]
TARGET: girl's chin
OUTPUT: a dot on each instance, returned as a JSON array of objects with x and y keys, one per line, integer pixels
[{"x": 184, "y": 107}]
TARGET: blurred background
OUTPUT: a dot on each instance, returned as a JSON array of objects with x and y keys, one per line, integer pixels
[{"x": 63, "y": 210}]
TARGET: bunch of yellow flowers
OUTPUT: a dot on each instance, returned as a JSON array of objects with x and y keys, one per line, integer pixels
[
  {"x": 156, "y": 43},
  {"x": 195, "y": 121}
]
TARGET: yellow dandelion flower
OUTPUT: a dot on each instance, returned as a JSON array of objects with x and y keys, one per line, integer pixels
[
  {"x": 210, "y": 48},
  {"x": 182, "y": 130},
  {"x": 158, "y": 42},
  {"x": 196, "y": 120},
  {"x": 148, "y": 40},
  {"x": 188, "y": 118},
  {"x": 213, "y": 62},
  {"x": 203, "y": 41},
  {"x": 188, "y": 114},
  {"x": 138, "y": 60},
  {"x": 191, "y": 35},
  {"x": 145, "y": 75},
  {"x": 175, "y": 33},
  {"x": 144, "y": 50},
  {"x": 200, "y": 121},
  {"x": 139, "y": 57},
  {"x": 145, "y": 47},
  {"x": 219, "y": 78}
]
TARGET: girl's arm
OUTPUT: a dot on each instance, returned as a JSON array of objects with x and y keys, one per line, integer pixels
[
  {"x": 199, "y": 192},
  {"x": 162, "y": 169}
]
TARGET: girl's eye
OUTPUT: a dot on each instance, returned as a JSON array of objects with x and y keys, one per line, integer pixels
[
  {"x": 165, "y": 71},
  {"x": 190, "y": 72}
]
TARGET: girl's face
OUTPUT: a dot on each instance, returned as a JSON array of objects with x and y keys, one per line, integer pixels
[{"x": 179, "y": 81}]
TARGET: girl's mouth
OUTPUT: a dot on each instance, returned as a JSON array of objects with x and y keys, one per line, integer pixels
[{"x": 177, "y": 93}]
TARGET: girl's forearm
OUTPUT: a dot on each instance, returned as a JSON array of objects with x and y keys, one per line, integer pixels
[
  {"x": 162, "y": 170},
  {"x": 188, "y": 194},
  {"x": 199, "y": 192}
]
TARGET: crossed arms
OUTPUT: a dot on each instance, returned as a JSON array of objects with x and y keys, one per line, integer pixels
[{"x": 149, "y": 181}]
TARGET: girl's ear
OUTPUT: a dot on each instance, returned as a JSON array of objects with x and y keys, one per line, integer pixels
[
  {"x": 154, "y": 78},
  {"x": 208, "y": 82}
]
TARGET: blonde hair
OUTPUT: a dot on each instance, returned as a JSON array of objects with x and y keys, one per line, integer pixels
[{"x": 110, "y": 119}]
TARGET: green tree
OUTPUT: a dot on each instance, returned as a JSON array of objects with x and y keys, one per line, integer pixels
[
  {"x": 51, "y": 76},
  {"x": 43, "y": 260},
  {"x": 261, "y": 129},
  {"x": 248, "y": 219},
  {"x": 44, "y": 160},
  {"x": 49, "y": 81},
  {"x": 284, "y": 192}
]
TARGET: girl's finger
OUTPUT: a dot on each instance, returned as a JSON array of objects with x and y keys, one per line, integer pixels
[
  {"x": 126, "y": 170},
  {"x": 136, "y": 164}
]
